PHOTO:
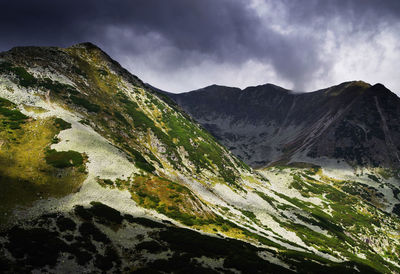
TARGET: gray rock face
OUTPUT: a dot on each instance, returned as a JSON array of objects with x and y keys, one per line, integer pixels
[{"x": 353, "y": 121}]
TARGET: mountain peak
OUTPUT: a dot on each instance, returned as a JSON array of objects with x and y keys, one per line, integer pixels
[
  {"x": 215, "y": 89},
  {"x": 87, "y": 45},
  {"x": 268, "y": 88},
  {"x": 381, "y": 91},
  {"x": 214, "y": 86},
  {"x": 379, "y": 85},
  {"x": 358, "y": 83},
  {"x": 379, "y": 88},
  {"x": 91, "y": 48},
  {"x": 350, "y": 88}
]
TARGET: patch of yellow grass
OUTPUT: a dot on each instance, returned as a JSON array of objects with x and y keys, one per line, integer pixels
[
  {"x": 34, "y": 109},
  {"x": 24, "y": 174},
  {"x": 326, "y": 178}
]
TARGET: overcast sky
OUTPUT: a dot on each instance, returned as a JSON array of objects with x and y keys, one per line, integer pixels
[{"x": 181, "y": 45}]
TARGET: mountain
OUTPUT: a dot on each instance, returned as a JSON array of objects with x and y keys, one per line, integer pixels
[
  {"x": 354, "y": 122},
  {"x": 100, "y": 173}
]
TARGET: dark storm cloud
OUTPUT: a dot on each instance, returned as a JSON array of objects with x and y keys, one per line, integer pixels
[
  {"x": 189, "y": 25},
  {"x": 289, "y": 36},
  {"x": 361, "y": 13}
]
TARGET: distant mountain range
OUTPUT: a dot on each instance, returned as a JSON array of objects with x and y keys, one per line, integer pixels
[{"x": 266, "y": 125}]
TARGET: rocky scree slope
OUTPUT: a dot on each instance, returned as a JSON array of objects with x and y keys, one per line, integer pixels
[
  {"x": 99, "y": 173},
  {"x": 349, "y": 132},
  {"x": 353, "y": 121}
]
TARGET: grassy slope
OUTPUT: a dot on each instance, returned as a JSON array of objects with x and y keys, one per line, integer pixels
[
  {"x": 156, "y": 137},
  {"x": 26, "y": 175},
  {"x": 356, "y": 227}
]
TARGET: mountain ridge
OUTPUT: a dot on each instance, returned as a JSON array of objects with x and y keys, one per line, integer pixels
[{"x": 288, "y": 109}]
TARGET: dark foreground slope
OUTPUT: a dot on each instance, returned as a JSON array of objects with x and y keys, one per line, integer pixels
[
  {"x": 100, "y": 238},
  {"x": 352, "y": 121}
]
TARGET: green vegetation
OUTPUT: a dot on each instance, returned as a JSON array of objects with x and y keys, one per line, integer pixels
[
  {"x": 63, "y": 159},
  {"x": 61, "y": 124},
  {"x": 368, "y": 193},
  {"x": 24, "y": 77},
  {"x": 339, "y": 240},
  {"x": 170, "y": 199},
  {"x": 85, "y": 103},
  {"x": 102, "y": 72},
  {"x": 250, "y": 215},
  {"x": 57, "y": 87},
  {"x": 25, "y": 175},
  {"x": 13, "y": 115},
  {"x": 386, "y": 173},
  {"x": 140, "y": 120},
  {"x": 140, "y": 161},
  {"x": 143, "y": 122},
  {"x": 145, "y": 166},
  {"x": 77, "y": 70},
  {"x": 5, "y": 103},
  {"x": 267, "y": 198},
  {"x": 174, "y": 130},
  {"x": 374, "y": 178},
  {"x": 121, "y": 118},
  {"x": 28, "y": 80},
  {"x": 203, "y": 150},
  {"x": 35, "y": 109},
  {"x": 12, "y": 118},
  {"x": 350, "y": 221},
  {"x": 5, "y": 67}
]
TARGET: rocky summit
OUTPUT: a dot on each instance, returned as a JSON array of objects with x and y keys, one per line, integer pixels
[{"x": 100, "y": 172}]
